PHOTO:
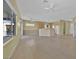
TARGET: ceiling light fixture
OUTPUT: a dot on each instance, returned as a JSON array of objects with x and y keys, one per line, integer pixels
[
  {"x": 51, "y": 6},
  {"x": 47, "y": 5}
]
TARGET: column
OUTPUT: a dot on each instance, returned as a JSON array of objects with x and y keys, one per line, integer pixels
[{"x": 21, "y": 27}]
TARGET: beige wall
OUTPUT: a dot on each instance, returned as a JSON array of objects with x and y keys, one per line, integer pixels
[
  {"x": 28, "y": 27},
  {"x": 65, "y": 27},
  {"x": 50, "y": 25},
  {"x": 39, "y": 24},
  {"x": 61, "y": 27},
  {"x": 8, "y": 48}
]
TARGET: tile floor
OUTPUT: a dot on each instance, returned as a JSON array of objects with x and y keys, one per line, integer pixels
[{"x": 34, "y": 47}]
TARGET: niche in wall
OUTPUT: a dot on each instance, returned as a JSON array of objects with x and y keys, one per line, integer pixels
[{"x": 46, "y": 26}]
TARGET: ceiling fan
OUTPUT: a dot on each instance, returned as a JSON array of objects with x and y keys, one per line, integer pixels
[{"x": 47, "y": 5}]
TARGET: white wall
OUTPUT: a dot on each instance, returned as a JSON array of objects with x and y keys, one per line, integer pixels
[
  {"x": 57, "y": 29},
  {"x": 44, "y": 32},
  {"x": 72, "y": 29}
]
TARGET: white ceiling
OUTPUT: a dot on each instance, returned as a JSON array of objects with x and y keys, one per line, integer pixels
[{"x": 35, "y": 9}]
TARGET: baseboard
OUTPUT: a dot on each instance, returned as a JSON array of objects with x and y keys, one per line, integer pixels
[{"x": 8, "y": 41}]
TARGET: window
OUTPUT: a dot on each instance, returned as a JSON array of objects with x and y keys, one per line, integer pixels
[
  {"x": 46, "y": 26},
  {"x": 9, "y": 22}
]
